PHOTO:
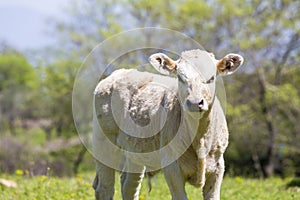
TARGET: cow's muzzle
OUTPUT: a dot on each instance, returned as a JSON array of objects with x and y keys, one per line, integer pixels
[{"x": 196, "y": 105}]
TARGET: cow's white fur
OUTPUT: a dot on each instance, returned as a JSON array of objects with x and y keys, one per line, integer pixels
[{"x": 202, "y": 163}]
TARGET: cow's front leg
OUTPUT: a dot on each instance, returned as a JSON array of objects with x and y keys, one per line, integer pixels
[
  {"x": 131, "y": 183},
  {"x": 212, "y": 187},
  {"x": 104, "y": 182},
  {"x": 175, "y": 181}
]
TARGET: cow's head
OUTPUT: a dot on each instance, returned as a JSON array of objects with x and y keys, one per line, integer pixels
[{"x": 196, "y": 71}]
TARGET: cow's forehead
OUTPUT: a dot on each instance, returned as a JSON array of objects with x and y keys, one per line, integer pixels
[{"x": 201, "y": 61}]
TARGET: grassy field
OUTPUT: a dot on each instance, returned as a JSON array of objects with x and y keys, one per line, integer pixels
[{"x": 44, "y": 187}]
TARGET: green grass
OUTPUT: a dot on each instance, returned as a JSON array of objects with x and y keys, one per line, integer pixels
[{"x": 43, "y": 187}]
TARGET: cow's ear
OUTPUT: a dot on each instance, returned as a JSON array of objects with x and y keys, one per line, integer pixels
[
  {"x": 229, "y": 64},
  {"x": 162, "y": 63}
]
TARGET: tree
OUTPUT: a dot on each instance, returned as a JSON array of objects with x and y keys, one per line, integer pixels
[
  {"x": 18, "y": 80},
  {"x": 272, "y": 45},
  {"x": 91, "y": 22},
  {"x": 57, "y": 86}
]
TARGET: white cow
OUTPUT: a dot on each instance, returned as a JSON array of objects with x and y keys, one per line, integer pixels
[{"x": 192, "y": 108}]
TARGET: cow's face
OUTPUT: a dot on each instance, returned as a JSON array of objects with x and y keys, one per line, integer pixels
[{"x": 196, "y": 71}]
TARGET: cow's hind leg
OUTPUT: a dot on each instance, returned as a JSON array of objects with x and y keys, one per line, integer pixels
[
  {"x": 104, "y": 182},
  {"x": 212, "y": 187},
  {"x": 131, "y": 183}
]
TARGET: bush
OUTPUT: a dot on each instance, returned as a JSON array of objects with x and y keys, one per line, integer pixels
[
  {"x": 28, "y": 158},
  {"x": 293, "y": 183}
]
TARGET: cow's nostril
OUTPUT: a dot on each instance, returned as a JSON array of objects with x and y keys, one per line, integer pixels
[
  {"x": 203, "y": 105},
  {"x": 195, "y": 106}
]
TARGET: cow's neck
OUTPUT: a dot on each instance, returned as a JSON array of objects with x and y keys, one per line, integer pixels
[{"x": 201, "y": 126}]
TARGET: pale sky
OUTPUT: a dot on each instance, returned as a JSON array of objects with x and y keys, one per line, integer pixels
[{"x": 23, "y": 23}]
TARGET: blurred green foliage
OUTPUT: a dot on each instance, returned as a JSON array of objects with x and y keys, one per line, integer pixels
[
  {"x": 58, "y": 86},
  {"x": 16, "y": 71}
]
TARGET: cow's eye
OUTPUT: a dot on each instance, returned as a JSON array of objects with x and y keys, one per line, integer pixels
[{"x": 210, "y": 80}]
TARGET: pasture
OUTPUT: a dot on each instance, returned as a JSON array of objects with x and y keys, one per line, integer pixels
[{"x": 80, "y": 187}]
